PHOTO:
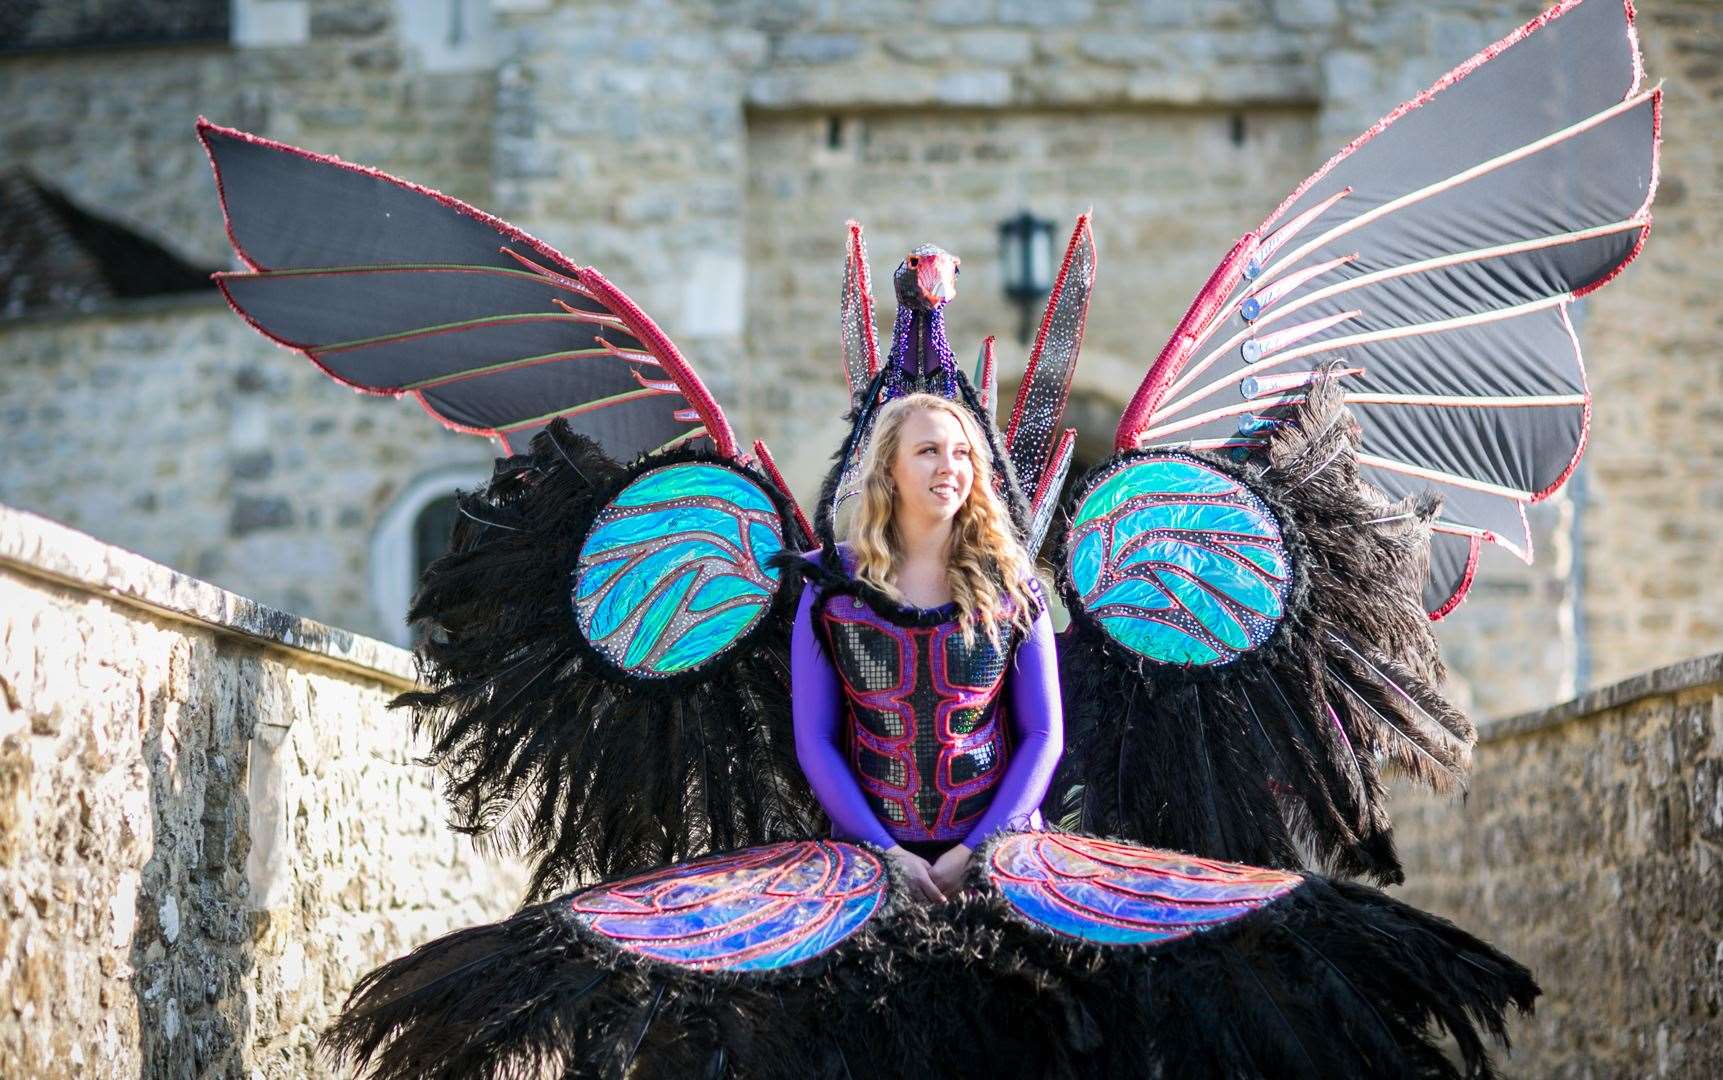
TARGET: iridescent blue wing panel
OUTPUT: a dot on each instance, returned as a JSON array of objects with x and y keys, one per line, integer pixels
[
  {"x": 759, "y": 909},
  {"x": 1112, "y": 893},
  {"x": 1177, "y": 561},
  {"x": 676, "y": 569}
]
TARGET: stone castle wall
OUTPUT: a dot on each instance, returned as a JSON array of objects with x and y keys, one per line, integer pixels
[
  {"x": 705, "y": 157},
  {"x": 1652, "y": 585},
  {"x": 210, "y": 825},
  {"x": 1590, "y": 847},
  {"x": 182, "y": 435}
]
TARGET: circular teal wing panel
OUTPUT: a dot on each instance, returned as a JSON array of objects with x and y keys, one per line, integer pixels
[
  {"x": 1177, "y": 561},
  {"x": 676, "y": 568}
]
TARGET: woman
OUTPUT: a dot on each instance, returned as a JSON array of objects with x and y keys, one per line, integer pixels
[{"x": 911, "y": 749}]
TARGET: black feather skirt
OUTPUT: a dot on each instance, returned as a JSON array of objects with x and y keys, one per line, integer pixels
[{"x": 1066, "y": 956}]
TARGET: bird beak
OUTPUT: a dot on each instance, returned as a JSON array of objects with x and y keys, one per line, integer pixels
[{"x": 937, "y": 279}]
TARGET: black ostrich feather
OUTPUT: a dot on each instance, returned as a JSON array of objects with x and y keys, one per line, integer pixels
[{"x": 1334, "y": 980}]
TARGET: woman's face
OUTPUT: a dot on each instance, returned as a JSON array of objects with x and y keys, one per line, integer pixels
[{"x": 932, "y": 469}]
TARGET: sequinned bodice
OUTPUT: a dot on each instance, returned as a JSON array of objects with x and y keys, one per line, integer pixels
[{"x": 924, "y": 729}]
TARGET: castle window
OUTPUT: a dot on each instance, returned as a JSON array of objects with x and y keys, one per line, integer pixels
[
  {"x": 412, "y": 532},
  {"x": 432, "y": 530}
]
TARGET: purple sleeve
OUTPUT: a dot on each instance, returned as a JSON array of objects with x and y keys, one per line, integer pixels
[
  {"x": 1038, "y": 722},
  {"x": 814, "y": 703}
]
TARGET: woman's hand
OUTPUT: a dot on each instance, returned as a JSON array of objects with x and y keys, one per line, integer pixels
[
  {"x": 949, "y": 871},
  {"x": 915, "y": 869}
]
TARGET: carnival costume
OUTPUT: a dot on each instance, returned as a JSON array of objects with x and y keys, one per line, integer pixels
[{"x": 1370, "y": 385}]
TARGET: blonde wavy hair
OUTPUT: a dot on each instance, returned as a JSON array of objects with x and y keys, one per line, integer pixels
[{"x": 987, "y": 568}]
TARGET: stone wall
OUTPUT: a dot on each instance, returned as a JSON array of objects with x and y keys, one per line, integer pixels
[
  {"x": 168, "y": 427},
  {"x": 1651, "y": 563},
  {"x": 1591, "y": 848},
  {"x": 267, "y": 479},
  {"x": 209, "y": 823},
  {"x": 705, "y": 156}
]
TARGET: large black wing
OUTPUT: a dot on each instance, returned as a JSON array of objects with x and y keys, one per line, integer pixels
[
  {"x": 605, "y": 645},
  {"x": 1074, "y": 957},
  {"x": 392, "y": 288},
  {"x": 1438, "y": 255}
]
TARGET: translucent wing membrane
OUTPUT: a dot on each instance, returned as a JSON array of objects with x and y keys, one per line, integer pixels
[
  {"x": 1437, "y": 257},
  {"x": 759, "y": 909},
  {"x": 1111, "y": 893},
  {"x": 391, "y": 288}
]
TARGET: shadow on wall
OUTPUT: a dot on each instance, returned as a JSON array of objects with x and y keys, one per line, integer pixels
[{"x": 193, "y": 954}]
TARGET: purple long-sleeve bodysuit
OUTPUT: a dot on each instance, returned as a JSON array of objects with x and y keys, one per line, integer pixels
[{"x": 1011, "y": 800}]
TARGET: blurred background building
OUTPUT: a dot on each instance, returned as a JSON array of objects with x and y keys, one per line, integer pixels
[{"x": 704, "y": 155}]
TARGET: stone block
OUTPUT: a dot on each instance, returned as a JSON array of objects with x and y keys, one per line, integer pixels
[
  {"x": 1127, "y": 49},
  {"x": 959, "y": 12},
  {"x": 1001, "y": 47},
  {"x": 975, "y": 88},
  {"x": 919, "y": 48},
  {"x": 815, "y": 48},
  {"x": 263, "y": 23},
  {"x": 347, "y": 22},
  {"x": 1348, "y": 76},
  {"x": 1049, "y": 13},
  {"x": 258, "y": 514},
  {"x": 1306, "y": 14}
]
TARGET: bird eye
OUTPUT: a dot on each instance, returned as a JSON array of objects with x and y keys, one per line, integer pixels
[{"x": 914, "y": 261}]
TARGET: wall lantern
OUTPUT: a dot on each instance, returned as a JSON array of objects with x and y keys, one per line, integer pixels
[{"x": 1026, "y": 256}]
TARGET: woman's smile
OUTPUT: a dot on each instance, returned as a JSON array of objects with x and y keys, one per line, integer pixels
[{"x": 933, "y": 456}]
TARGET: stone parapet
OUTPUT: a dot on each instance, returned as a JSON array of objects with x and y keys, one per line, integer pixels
[
  {"x": 210, "y": 825},
  {"x": 1590, "y": 847}
]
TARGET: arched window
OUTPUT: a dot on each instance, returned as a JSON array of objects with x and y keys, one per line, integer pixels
[
  {"x": 412, "y": 532},
  {"x": 432, "y": 530}
]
